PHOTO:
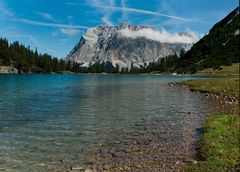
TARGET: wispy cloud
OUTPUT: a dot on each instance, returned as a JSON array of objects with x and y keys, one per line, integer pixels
[
  {"x": 166, "y": 6},
  {"x": 45, "y": 15},
  {"x": 125, "y": 9},
  {"x": 124, "y": 14},
  {"x": 4, "y": 11},
  {"x": 57, "y": 25},
  {"x": 107, "y": 21},
  {"x": 99, "y": 4},
  {"x": 109, "y": 12},
  {"x": 70, "y": 32}
]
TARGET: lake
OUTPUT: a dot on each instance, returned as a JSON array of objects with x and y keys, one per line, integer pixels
[{"x": 48, "y": 120}]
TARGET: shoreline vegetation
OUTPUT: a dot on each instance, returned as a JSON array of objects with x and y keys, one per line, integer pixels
[{"x": 219, "y": 144}]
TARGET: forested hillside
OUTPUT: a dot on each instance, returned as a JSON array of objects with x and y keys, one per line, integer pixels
[{"x": 219, "y": 47}]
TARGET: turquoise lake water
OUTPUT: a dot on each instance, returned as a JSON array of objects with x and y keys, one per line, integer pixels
[{"x": 48, "y": 118}]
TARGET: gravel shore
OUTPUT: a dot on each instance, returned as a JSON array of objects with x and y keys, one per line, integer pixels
[{"x": 148, "y": 146}]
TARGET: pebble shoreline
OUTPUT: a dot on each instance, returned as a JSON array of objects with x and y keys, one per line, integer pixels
[{"x": 147, "y": 146}]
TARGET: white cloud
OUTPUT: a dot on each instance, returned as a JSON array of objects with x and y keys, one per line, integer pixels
[
  {"x": 70, "y": 32},
  {"x": 45, "y": 15},
  {"x": 161, "y": 36}
]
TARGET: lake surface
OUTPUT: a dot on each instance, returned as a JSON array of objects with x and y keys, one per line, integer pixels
[{"x": 45, "y": 119}]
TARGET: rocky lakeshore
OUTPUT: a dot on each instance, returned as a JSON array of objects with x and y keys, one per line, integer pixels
[
  {"x": 148, "y": 146},
  {"x": 159, "y": 131},
  {"x": 8, "y": 70}
]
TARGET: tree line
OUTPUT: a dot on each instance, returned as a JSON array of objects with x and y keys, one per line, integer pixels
[
  {"x": 30, "y": 61},
  {"x": 166, "y": 64}
]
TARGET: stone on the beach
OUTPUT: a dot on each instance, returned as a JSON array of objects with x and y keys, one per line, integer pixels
[
  {"x": 195, "y": 162},
  {"x": 76, "y": 168},
  {"x": 88, "y": 170}
]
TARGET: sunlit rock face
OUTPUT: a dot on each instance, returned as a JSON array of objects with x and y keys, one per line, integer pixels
[{"x": 128, "y": 45}]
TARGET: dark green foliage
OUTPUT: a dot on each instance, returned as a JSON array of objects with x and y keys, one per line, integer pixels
[
  {"x": 163, "y": 65},
  {"x": 219, "y": 47},
  {"x": 166, "y": 64},
  {"x": 100, "y": 67},
  {"x": 4, "y": 52},
  {"x": 28, "y": 61}
]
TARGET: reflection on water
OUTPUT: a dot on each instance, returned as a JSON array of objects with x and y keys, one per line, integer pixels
[{"x": 48, "y": 118}]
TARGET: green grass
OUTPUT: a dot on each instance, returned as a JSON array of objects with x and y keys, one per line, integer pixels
[
  {"x": 220, "y": 142},
  {"x": 226, "y": 86},
  {"x": 219, "y": 145},
  {"x": 223, "y": 70}
]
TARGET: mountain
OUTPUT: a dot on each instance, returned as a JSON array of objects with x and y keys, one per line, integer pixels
[
  {"x": 127, "y": 46},
  {"x": 219, "y": 47}
]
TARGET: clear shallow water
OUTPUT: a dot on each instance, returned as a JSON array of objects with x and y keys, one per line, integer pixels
[{"x": 48, "y": 118}]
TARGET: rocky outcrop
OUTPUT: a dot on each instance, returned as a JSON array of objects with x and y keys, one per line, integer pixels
[
  {"x": 128, "y": 46},
  {"x": 8, "y": 69}
]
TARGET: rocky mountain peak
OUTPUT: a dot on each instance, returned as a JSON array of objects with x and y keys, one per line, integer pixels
[{"x": 128, "y": 45}]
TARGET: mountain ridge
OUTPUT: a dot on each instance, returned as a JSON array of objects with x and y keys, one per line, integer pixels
[{"x": 128, "y": 46}]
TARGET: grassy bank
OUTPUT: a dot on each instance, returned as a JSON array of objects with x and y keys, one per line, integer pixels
[
  {"x": 221, "y": 71},
  {"x": 219, "y": 144},
  {"x": 226, "y": 86}
]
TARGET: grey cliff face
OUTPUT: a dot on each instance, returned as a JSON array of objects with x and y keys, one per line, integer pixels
[{"x": 126, "y": 45}]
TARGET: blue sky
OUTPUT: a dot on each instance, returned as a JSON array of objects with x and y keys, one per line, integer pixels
[{"x": 55, "y": 26}]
